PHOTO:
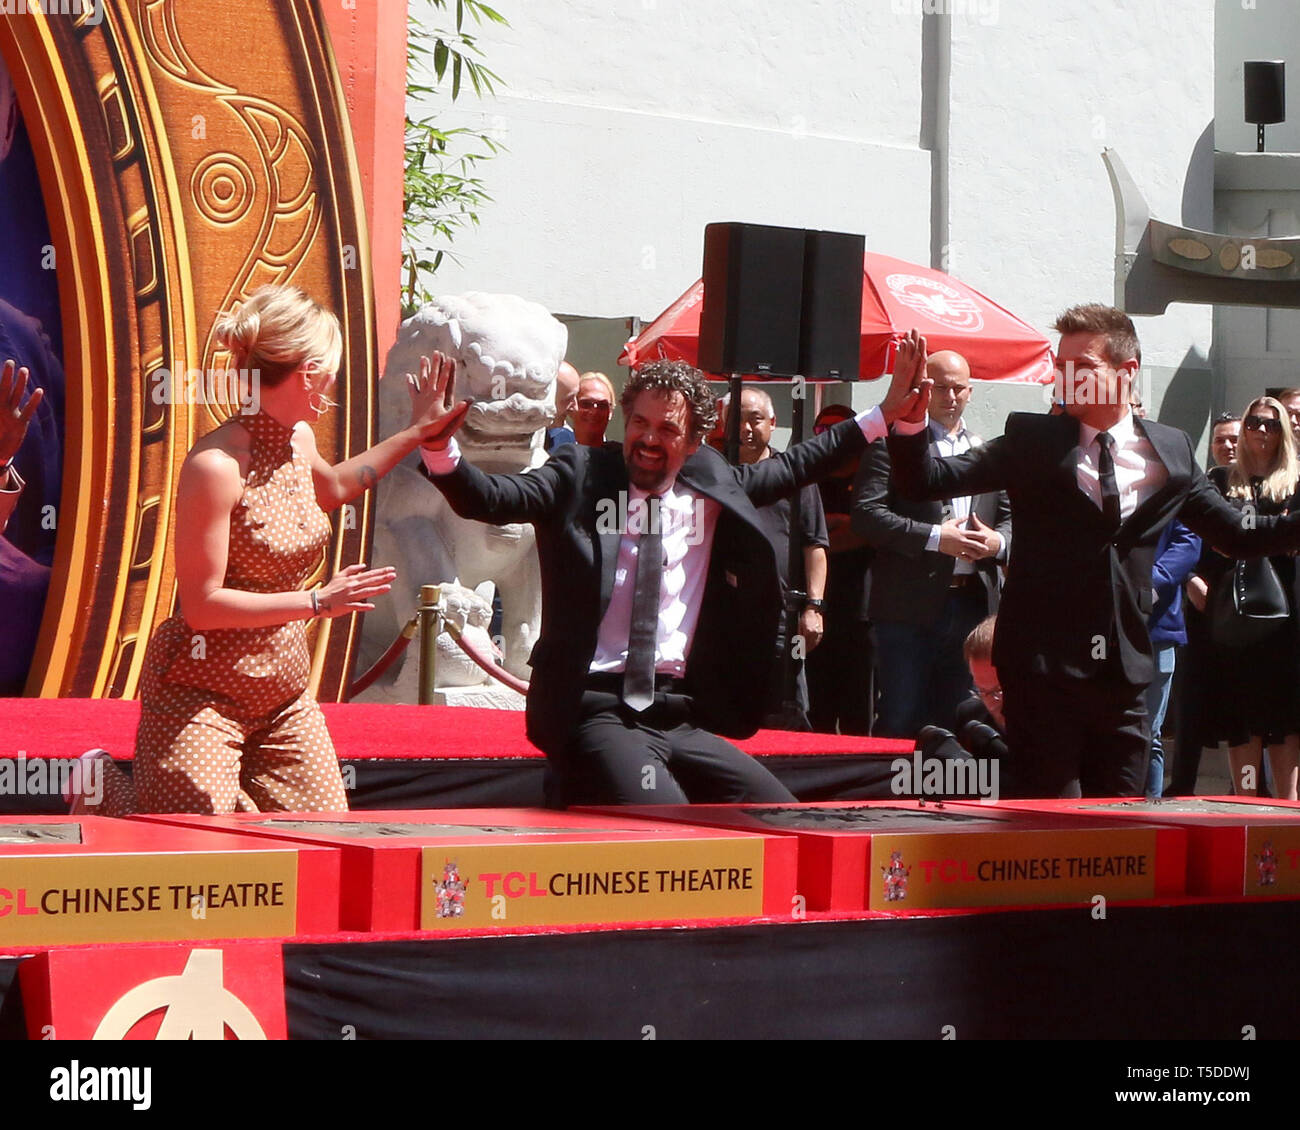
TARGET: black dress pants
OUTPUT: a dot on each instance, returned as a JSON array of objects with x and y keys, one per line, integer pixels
[
  {"x": 656, "y": 756},
  {"x": 1076, "y": 737}
]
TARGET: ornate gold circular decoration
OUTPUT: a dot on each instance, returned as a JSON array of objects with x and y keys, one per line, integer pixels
[
  {"x": 165, "y": 208},
  {"x": 223, "y": 187}
]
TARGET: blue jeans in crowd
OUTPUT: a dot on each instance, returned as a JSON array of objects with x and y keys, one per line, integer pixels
[
  {"x": 920, "y": 670},
  {"x": 1157, "y": 704}
]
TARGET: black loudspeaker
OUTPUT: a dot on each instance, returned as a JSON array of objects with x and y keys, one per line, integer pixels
[
  {"x": 1265, "y": 92},
  {"x": 753, "y": 290},
  {"x": 832, "y": 305}
]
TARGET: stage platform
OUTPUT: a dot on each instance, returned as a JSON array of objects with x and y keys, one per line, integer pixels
[
  {"x": 720, "y": 959},
  {"x": 426, "y": 756}
]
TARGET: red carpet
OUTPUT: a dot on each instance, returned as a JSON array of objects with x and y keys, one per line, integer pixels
[{"x": 66, "y": 727}]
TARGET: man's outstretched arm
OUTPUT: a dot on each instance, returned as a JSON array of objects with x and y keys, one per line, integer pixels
[
  {"x": 873, "y": 517},
  {"x": 905, "y": 403},
  {"x": 809, "y": 461},
  {"x": 919, "y": 476},
  {"x": 1236, "y": 533},
  {"x": 472, "y": 493}
]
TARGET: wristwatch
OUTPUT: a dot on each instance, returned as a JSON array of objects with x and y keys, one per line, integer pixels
[{"x": 816, "y": 603}]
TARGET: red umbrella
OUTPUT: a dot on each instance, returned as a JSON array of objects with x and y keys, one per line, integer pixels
[{"x": 896, "y": 295}]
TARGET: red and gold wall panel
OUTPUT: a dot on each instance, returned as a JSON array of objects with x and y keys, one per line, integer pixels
[{"x": 189, "y": 151}]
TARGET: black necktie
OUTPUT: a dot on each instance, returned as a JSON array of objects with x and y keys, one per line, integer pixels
[
  {"x": 639, "y": 675},
  {"x": 1106, "y": 476}
]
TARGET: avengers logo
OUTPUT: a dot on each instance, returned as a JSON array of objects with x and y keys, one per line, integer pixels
[
  {"x": 196, "y": 1003},
  {"x": 937, "y": 301}
]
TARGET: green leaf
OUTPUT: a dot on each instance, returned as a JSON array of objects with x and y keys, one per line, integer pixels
[{"x": 442, "y": 196}]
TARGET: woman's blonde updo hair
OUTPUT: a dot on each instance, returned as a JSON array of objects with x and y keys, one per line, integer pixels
[{"x": 277, "y": 331}]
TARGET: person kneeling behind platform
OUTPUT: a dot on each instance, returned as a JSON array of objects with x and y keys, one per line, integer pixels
[{"x": 980, "y": 740}]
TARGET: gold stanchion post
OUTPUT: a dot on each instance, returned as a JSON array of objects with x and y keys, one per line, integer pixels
[{"x": 430, "y": 627}]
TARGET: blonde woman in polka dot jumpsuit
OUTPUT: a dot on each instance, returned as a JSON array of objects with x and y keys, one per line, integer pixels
[{"x": 228, "y": 723}]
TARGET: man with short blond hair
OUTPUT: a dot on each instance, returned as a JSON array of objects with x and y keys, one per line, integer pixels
[{"x": 592, "y": 409}]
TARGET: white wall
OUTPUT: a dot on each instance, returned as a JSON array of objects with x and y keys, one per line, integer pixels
[
  {"x": 633, "y": 123},
  {"x": 1258, "y": 195},
  {"x": 1034, "y": 101},
  {"x": 1255, "y": 29},
  {"x": 850, "y": 68}
]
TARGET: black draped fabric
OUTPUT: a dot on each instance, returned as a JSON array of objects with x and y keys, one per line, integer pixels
[
  {"x": 1025, "y": 975},
  {"x": 12, "y": 1022}
]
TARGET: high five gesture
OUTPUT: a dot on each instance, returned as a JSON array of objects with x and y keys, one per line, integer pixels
[
  {"x": 908, "y": 398},
  {"x": 434, "y": 411}
]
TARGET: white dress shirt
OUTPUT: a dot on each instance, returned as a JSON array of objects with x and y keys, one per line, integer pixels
[
  {"x": 687, "y": 523},
  {"x": 947, "y": 444},
  {"x": 1138, "y": 470}
]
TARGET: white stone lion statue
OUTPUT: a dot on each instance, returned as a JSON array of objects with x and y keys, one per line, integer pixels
[{"x": 507, "y": 352}]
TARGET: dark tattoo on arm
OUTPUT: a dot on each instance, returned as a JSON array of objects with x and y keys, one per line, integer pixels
[{"x": 367, "y": 476}]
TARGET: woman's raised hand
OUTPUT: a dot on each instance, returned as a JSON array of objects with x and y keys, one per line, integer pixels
[{"x": 434, "y": 411}]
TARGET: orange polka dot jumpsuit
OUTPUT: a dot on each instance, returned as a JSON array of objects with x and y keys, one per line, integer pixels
[{"x": 228, "y": 723}]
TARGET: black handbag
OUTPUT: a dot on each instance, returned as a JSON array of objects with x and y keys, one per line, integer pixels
[{"x": 1249, "y": 604}]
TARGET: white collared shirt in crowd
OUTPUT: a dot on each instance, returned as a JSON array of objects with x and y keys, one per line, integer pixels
[{"x": 948, "y": 444}]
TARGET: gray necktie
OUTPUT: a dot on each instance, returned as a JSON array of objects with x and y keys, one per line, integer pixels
[{"x": 639, "y": 675}]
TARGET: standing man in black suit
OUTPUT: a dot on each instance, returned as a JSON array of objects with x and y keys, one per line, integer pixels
[
  {"x": 935, "y": 575},
  {"x": 1090, "y": 491},
  {"x": 757, "y": 424},
  {"x": 660, "y": 592}
]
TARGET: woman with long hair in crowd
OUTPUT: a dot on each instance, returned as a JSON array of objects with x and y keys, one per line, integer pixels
[
  {"x": 1256, "y": 704},
  {"x": 228, "y": 721}
]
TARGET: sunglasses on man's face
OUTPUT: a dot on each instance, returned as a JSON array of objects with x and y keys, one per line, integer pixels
[
  {"x": 1262, "y": 423},
  {"x": 589, "y": 405}
]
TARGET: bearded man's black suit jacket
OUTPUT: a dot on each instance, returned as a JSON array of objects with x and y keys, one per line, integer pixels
[
  {"x": 572, "y": 499},
  {"x": 1072, "y": 625}
]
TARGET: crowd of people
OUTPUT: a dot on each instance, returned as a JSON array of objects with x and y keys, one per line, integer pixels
[{"x": 1042, "y": 590}]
